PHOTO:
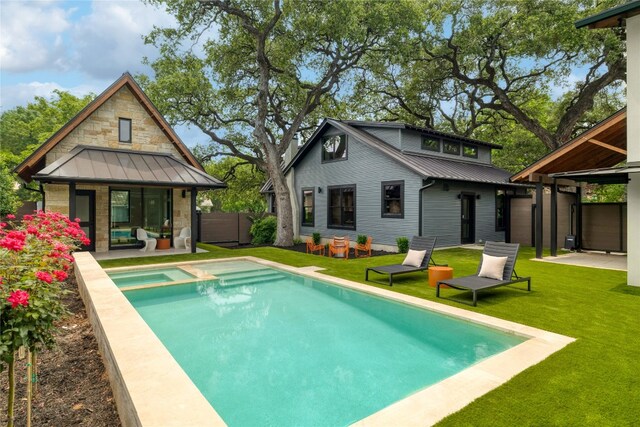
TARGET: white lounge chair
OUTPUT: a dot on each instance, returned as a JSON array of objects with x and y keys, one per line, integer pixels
[
  {"x": 149, "y": 242},
  {"x": 183, "y": 239}
]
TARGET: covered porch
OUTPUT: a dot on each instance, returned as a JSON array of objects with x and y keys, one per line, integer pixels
[{"x": 118, "y": 193}]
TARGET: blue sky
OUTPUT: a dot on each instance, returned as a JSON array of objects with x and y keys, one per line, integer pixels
[{"x": 79, "y": 46}]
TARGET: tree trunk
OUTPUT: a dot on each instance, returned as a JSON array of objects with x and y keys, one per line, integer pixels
[{"x": 284, "y": 210}]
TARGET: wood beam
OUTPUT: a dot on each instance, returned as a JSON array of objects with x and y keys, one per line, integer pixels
[{"x": 608, "y": 146}]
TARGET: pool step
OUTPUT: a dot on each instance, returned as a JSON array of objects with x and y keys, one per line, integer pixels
[{"x": 249, "y": 277}]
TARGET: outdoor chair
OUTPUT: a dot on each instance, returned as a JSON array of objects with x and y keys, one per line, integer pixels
[
  {"x": 418, "y": 243},
  {"x": 340, "y": 245},
  {"x": 183, "y": 238},
  {"x": 149, "y": 242},
  {"x": 366, "y": 247},
  {"x": 312, "y": 247},
  {"x": 480, "y": 281}
]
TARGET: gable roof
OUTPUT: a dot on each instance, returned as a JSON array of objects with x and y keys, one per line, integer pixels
[
  {"x": 29, "y": 166},
  {"x": 428, "y": 167},
  {"x": 602, "y": 146},
  {"x": 108, "y": 165}
]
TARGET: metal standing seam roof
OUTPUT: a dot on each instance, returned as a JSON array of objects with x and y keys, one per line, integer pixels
[{"x": 105, "y": 165}]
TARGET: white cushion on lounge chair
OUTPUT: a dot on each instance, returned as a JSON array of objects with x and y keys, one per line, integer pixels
[
  {"x": 492, "y": 266},
  {"x": 414, "y": 258}
]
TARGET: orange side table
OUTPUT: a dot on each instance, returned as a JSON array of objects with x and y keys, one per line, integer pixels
[{"x": 439, "y": 273}]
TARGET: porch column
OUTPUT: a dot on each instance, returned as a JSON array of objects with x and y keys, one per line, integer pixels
[
  {"x": 72, "y": 201},
  {"x": 194, "y": 219},
  {"x": 578, "y": 217},
  {"x": 554, "y": 219},
  {"x": 539, "y": 191},
  {"x": 633, "y": 149}
]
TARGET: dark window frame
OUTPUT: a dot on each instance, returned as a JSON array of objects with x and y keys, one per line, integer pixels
[
  {"x": 120, "y": 121},
  {"x": 322, "y": 150},
  {"x": 444, "y": 147},
  {"x": 341, "y": 188},
  {"x": 384, "y": 214},
  {"x": 473, "y": 147},
  {"x": 313, "y": 207},
  {"x": 498, "y": 226},
  {"x": 431, "y": 138}
]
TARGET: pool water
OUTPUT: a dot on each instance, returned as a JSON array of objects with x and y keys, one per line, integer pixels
[
  {"x": 270, "y": 348},
  {"x": 145, "y": 277}
]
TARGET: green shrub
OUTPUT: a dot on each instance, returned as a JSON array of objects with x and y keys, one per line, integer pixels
[
  {"x": 361, "y": 239},
  {"x": 316, "y": 238},
  {"x": 297, "y": 241},
  {"x": 403, "y": 244},
  {"x": 263, "y": 231}
]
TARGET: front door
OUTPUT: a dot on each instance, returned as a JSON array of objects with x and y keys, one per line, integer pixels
[
  {"x": 86, "y": 211},
  {"x": 468, "y": 218}
]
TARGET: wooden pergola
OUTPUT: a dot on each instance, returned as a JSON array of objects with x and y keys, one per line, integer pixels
[{"x": 591, "y": 154}]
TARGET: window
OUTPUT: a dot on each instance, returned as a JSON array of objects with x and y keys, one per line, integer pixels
[
  {"x": 124, "y": 130},
  {"x": 470, "y": 151},
  {"x": 307, "y": 206},
  {"x": 273, "y": 208},
  {"x": 500, "y": 210},
  {"x": 393, "y": 199},
  {"x": 451, "y": 147},
  {"x": 430, "y": 143},
  {"x": 334, "y": 148},
  {"x": 342, "y": 207},
  {"x": 120, "y": 206}
]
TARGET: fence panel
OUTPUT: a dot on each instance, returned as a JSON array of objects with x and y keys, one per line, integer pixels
[{"x": 221, "y": 227}]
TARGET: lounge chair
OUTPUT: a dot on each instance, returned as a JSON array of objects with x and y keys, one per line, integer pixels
[
  {"x": 417, "y": 244},
  {"x": 149, "y": 242},
  {"x": 477, "y": 283}
]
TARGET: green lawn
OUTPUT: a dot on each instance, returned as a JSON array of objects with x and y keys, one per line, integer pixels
[{"x": 593, "y": 381}]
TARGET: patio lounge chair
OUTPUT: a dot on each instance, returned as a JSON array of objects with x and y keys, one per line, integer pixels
[
  {"x": 417, "y": 244},
  {"x": 477, "y": 283},
  {"x": 149, "y": 242}
]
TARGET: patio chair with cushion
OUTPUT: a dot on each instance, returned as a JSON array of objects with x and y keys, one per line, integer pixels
[
  {"x": 418, "y": 259},
  {"x": 497, "y": 268},
  {"x": 339, "y": 246},
  {"x": 149, "y": 242}
]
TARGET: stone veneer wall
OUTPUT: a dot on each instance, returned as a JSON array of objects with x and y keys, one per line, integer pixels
[{"x": 100, "y": 129}]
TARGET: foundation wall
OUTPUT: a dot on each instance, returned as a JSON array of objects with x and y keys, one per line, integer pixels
[{"x": 149, "y": 387}]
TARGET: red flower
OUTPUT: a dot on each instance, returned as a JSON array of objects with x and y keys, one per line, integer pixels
[
  {"x": 44, "y": 276},
  {"x": 77, "y": 220},
  {"x": 12, "y": 244},
  {"x": 27, "y": 217},
  {"x": 11, "y": 216},
  {"x": 32, "y": 229},
  {"x": 60, "y": 275},
  {"x": 85, "y": 241},
  {"x": 18, "y": 297}
]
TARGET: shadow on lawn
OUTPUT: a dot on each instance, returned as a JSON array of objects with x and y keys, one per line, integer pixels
[{"x": 623, "y": 288}]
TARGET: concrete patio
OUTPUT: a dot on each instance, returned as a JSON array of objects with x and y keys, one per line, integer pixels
[
  {"x": 136, "y": 253},
  {"x": 607, "y": 261}
]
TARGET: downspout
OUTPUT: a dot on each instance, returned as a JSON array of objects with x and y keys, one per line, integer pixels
[
  {"x": 424, "y": 187},
  {"x": 39, "y": 190}
]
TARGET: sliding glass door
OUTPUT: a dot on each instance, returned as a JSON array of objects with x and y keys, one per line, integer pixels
[{"x": 133, "y": 208}]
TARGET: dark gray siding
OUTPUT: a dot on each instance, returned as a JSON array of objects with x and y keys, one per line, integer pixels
[
  {"x": 441, "y": 212},
  {"x": 412, "y": 141},
  {"x": 366, "y": 168}
]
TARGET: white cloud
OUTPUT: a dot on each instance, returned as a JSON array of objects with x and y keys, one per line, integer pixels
[
  {"x": 109, "y": 41},
  {"x": 30, "y": 35},
  {"x": 24, "y": 93}
]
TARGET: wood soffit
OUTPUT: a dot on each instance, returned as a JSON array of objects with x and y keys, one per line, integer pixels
[
  {"x": 602, "y": 146},
  {"x": 28, "y": 167}
]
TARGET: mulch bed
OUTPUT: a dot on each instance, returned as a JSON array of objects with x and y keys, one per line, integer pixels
[
  {"x": 73, "y": 388},
  {"x": 302, "y": 247}
]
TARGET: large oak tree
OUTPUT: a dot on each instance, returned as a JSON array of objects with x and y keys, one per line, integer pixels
[{"x": 251, "y": 74}]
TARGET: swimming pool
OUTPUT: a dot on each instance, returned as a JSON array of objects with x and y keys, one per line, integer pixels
[{"x": 267, "y": 347}]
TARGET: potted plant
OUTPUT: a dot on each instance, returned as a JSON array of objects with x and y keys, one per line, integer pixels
[{"x": 316, "y": 238}]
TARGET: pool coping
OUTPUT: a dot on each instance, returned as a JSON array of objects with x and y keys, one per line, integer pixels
[{"x": 179, "y": 402}]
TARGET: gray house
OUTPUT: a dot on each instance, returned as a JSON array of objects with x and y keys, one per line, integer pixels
[{"x": 393, "y": 179}]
